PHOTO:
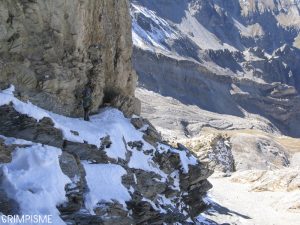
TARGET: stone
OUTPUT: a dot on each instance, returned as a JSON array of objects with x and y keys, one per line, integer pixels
[
  {"x": 136, "y": 144},
  {"x": 137, "y": 122},
  {"x": 195, "y": 175},
  {"x": 5, "y": 152},
  {"x": 108, "y": 209},
  {"x": 8, "y": 206},
  {"x": 152, "y": 136},
  {"x": 168, "y": 161},
  {"x": 50, "y": 58},
  {"x": 71, "y": 167},
  {"x": 14, "y": 124},
  {"x": 213, "y": 149},
  {"x": 261, "y": 152},
  {"x": 105, "y": 142},
  {"x": 75, "y": 132},
  {"x": 144, "y": 213},
  {"x": 148, "y": 184},
  {"x": 128, "y": 105},
  {"x": 85, "y": 151},
  {"x": 286, "y": 179}
]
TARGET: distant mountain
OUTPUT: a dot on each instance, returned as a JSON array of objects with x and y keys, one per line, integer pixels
[{"x": 230, "y": 57}]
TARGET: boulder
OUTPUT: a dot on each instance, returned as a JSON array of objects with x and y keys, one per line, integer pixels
[{"x": 128, "y": 105}]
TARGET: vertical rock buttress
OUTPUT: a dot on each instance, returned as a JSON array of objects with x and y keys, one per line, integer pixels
[{"x": 51, "y": 49}]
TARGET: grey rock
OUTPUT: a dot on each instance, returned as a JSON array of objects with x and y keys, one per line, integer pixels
[
  {"x": 7, "y": 206},
  {"x": 144, "y": 213},
  {"x": 50, "y": 51},
  {"x": 255, "y": 152},
  {"x": 148, "y": 184},
  {"x": 105, "y": 142},
  {"x": 138, "y": 122},
  {"x": 136, "y": 144},
  {"x": 5, "y": 152},
  {"x": 85, "y": 151},
  {"x": 14, "y": 124},
  {"x": 71, "y": 167},
  {"x": 195, "y": 175},
  {"x": 128, "y": 105},
  {"x": 168, "y": 161}
]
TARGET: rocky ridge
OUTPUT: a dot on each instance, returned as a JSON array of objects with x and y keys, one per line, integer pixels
[{"x": 161, "y": 184}]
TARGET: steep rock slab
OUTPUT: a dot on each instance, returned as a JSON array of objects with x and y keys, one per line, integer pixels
[{"x": 51, "y": 49}]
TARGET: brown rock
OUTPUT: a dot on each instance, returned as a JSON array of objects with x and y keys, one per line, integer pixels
[{"x": 50, "y": 51}]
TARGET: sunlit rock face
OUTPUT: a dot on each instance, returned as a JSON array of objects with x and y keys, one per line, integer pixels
[{"x": 51, "y": 49}]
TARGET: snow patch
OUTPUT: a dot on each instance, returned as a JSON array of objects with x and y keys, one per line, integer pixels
[
  {"x": 109, "y": 122},
  {"x": 34, "y": 179},
  {"x": 139, "y": 160},
  {"x": 158, "y": 32},
  {"x": 105, "y": 184}
]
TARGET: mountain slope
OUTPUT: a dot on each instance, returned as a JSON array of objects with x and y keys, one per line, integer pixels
[
  {"x": 228, "y": 57},
  {"x": 222, "y": 78}
]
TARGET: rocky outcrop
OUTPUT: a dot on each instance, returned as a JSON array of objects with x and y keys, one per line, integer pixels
[
  {"x": 258, "y": 152},
  {"x": 25, "y": 127},
  {"x": 262, "y": 180},
  {"x": 215, "y": 150},
  {"x": 239, "y": 151},
  {"x": 51, "y": 50},
  {"x": 170, "y": 189}
]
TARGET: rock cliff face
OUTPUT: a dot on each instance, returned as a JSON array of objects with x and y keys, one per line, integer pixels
[
  {"x": 110, "y": 170},
  {"x": 51, "y": 49}
]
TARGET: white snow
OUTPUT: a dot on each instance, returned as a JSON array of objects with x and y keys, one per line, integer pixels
[
  {"x": 186, "y": 160},
  {"x": 139, "y": 160},
  {"x": 109, "y": 122},
  {"x": 156, "y": 36},
  {"x": 247, "y": 207},
  {"x": 14, "y": 141},
  {"x": 34, "y": 179},
  {"x": 105, "y": 184}
]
